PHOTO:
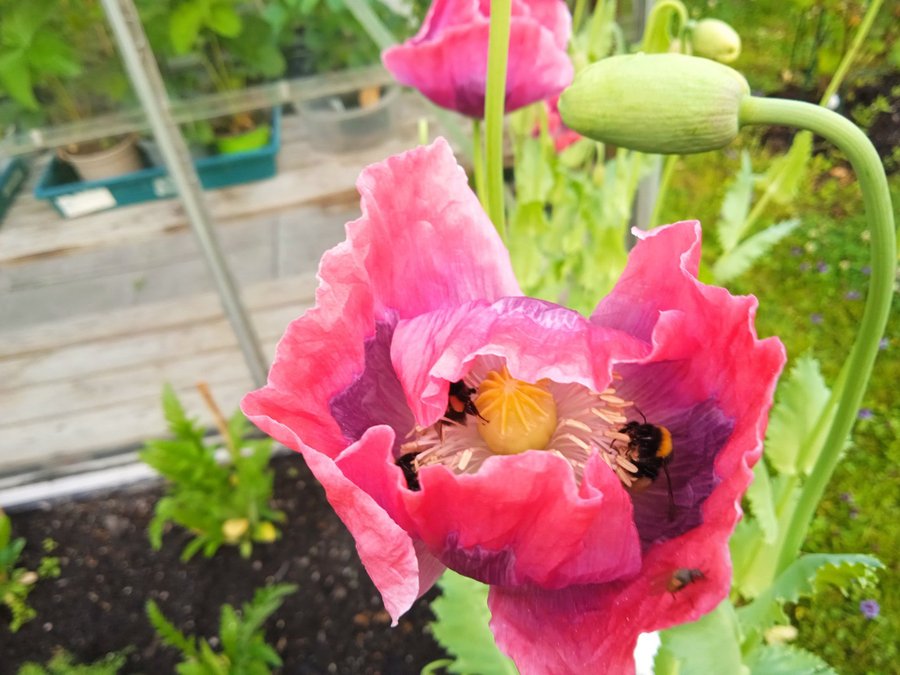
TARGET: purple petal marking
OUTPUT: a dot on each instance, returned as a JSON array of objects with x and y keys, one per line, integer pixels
[
  {"x": 489, "y": 567},
  {"x": 699, "y": 431},
  {"x": 375, "y": 397}
]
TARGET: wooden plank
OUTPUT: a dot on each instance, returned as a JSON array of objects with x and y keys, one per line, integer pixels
[
  {"x": 145, "y": 344},
  {"x": 132, "y": 368},
  {"x": 67, "y": 439},
  {"x": 297, "y": 290}
]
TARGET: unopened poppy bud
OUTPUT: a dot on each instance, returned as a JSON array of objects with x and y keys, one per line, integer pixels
[
  {"x": 714, "y": 39},
  {"x": 656, "y": 103}
]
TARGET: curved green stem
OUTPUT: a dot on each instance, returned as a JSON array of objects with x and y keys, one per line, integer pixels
[
  {"x": 656, "y": 36},
  {"x": 494, "y": 103},
  {"x": 664, "y": 180},
  {"x": 858, "y": 367}
]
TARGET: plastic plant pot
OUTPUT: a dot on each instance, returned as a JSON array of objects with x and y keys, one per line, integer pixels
[
  {"x": 254, "y": 139},
  {"x": 338, "y": 124}
]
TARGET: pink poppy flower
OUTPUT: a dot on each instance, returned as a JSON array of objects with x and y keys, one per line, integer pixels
[
  {"x": 527, "y": 483},
  {"x": 447, "y": 59}
]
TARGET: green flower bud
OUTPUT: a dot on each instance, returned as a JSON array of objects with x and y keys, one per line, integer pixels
[
  {"x": 656, "y": 103},
  {"x": 234, "y": 528},
  {"x": 265, "y": 532},
  {"x": 716, "y": 40}
]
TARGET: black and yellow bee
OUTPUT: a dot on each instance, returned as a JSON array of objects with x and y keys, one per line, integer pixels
[{"x": 650, "y": 451}]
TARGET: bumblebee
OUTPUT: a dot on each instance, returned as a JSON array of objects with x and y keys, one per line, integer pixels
[
  {"x": 459, "y": 402},
  {"x": 682, "y": 578},
  {"x": 649, "y": 450},
  {"x": 407, "y": 464}
]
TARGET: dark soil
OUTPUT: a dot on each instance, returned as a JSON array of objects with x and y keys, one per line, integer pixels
[
  {"x": 883, "y": 130},
  {"x": 334, "y": 623}
]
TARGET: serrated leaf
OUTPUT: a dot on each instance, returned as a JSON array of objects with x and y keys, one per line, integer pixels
[
  {"x": 738, "y": 260},
  {"x": 736, "y": 206},
  {"x": 461, "y": 627},
  {"x": 788, "y": 173},
  {"x": 786, "y": 660},
  {"x": 762, "y": 504},
  {"x": 799, "y": 403},
  {"x": 710, "y": 645},
  {"x": 805, "y": 577},
  {"x": 167, "y": 631},
  {"x": 173, "y": 410},
  {"x": 229, "y": 625},
  {"x": 265, "y": 601}
]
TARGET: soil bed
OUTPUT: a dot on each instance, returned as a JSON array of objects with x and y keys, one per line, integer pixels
[{"x": 334, "y": 623}]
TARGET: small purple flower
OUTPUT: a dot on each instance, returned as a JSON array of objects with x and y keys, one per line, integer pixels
[
  {"x": 883, "y": 343},
  {"x": 816, "y": 318},
  {"x": 796, "y": 251},
  {"x": 847, "y": 497},
  {"x": 822, "y": 266},
  {"x": 852, "y": 295},
  {"x": 854, "y": 513},
  {"x": 866, "y": 270},
  {"x": 869, "y": 608},
  {"x": 864, "y": 414}
]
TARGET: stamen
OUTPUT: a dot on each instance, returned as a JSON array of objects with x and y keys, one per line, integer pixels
[{"x": 568, "y": 420}]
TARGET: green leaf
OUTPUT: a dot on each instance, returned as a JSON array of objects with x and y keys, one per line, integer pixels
[
  {"x": 15, "y": 79},
  {"x": 738, "y": 260},
  {"x": 710, "y": 645},
  {"x": 167, "y": 631},
  {"x": 224, "y": 20},
  {"x": 533, "y": 171},
  {"x": 173, "y": 410},
  {"x": 527, "y": 224},
  {"x": 50, "y": 54},
  {"x": 805, "y": 577},
  {"x": 184, "y": 26},
  {"x": 786, "y": 660},
  {"x": 799, "y": 403},
  {"x": 786, "y": 175},
  {"x": 736, "y": 206},
  {"x": 461, "y": 627},
  {"x": 265, "y": 602},
  {"x": 762, "y": 504}
]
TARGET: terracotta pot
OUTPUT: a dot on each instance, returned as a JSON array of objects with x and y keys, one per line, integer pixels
[{"x": 121, "y": 158}]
